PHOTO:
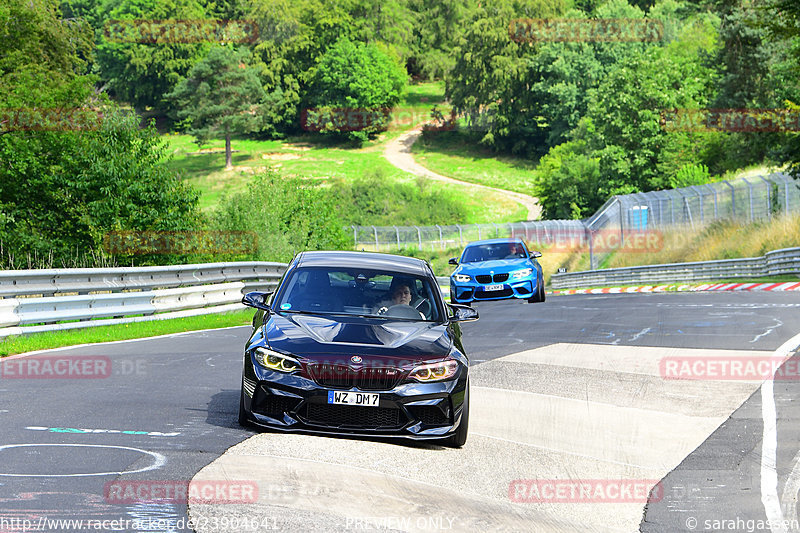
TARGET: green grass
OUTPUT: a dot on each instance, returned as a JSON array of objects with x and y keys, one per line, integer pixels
[
  {"x": 459, "y": 156},
  {"x": 135, "y": 330},
  {"x": 320, "y": 159}
]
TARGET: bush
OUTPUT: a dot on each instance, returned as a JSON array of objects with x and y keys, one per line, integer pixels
[{"x": 288, "y": 215}]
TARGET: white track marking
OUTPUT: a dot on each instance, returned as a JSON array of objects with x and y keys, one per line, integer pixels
[
  {"x": 769, "y": 447},
  {"x": 159, "y": 460}
]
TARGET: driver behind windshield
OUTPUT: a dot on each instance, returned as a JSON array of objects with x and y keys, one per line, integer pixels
[{"x": 400, "y": 294}]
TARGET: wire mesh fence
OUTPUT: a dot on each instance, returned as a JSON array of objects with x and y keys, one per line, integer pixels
[{"x": 746, "y": 199}]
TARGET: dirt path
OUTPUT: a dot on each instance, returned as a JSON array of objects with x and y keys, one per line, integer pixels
[{"x": 398, "y": 153}]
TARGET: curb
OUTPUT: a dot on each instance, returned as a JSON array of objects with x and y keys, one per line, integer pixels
[{"x": 783, "y": 286}]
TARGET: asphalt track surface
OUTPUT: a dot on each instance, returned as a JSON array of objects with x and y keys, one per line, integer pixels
[{"x": 571, "y": 389}]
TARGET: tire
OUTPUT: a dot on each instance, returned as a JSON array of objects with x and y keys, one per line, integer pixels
[
  {"x": 243, "y": 420},
  {"x": 540, "y": 295},
  {"x": 460, "y": 437}
]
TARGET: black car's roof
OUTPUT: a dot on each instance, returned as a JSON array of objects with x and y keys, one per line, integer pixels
[{"x": 366, "y": 260}]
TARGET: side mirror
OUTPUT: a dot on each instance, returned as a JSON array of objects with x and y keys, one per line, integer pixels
[
  {"x": 257, "y": 300},
  {"x": 462, "y": 313},
  {"x": 536, "y": 254},
  {"x": 453, "y": 261}
]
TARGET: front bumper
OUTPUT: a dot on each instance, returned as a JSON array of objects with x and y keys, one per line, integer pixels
[
  {"x": 292, "y": 402},
  {"x": 473, "y": 291}
]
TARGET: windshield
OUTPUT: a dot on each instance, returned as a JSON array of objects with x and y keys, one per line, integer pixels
[
  {"x": 491, "y": 252},
  {"x": 359, "y": 292}
]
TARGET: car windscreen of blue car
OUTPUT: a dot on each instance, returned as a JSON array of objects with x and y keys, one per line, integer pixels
[{"x": 492, "y": 252}]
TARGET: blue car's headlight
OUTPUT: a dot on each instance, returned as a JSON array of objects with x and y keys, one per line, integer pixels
[
  {"x": 462, "y": 278},
  {"x": 275, "y": 361},
  {"x": 524, "y": 273}
]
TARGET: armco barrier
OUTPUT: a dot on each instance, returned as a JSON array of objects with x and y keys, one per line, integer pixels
[
  {"x": 48, "y": 298},
  {"x": 778, "y": 262}
]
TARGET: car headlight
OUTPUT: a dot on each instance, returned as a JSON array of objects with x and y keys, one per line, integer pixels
[
  {"x": 524, "y": 273},
  {"x": 462, "y": 278},
  {"x": 276, "y": 361},
  {"x": 434, "y": 371}
]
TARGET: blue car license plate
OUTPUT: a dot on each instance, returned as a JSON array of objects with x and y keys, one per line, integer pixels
[
  {"x": 493, "y": 288},
  {"x": 353, "y": 398}
]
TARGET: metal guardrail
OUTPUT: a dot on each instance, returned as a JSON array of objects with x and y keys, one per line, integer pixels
[
  {"x": 778, "y": 262},
  {"x": 48, "y": 298}
]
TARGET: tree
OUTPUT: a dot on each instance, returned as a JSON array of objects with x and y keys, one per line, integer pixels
[
  {"x": 355, "y": 76},
  {"x": 143, "y": 73},
  {"x": 220, "y": 96}
]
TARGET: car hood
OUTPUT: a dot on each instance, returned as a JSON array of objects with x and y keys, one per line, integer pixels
[
  {"x": 339, "y": 337},
  {"x": 498, "y": 266}
]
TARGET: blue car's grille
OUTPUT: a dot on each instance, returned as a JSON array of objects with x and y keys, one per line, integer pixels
[
  {"x": 493, "y": 294},
  {"x": 486, "y": 278},
  {"x": 344, "y": 377}
]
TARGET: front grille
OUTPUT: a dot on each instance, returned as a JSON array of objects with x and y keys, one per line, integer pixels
[
  {"x": 347, "y": 416},
  {"x": 494, "y": 294},
  {"x": 274, "y": 405},
  {"x": 430, "y": 415},
  {"x": 345, "y": 377},
  {"x": 486, "y": 278}
]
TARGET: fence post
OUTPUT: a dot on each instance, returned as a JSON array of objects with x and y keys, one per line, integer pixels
[
  {"x": 441, "y": 239},
  {"x": 733, "y": 198},
  {"x": 397, "y": 234},
  {"x": 621, "y": 224},
  {"x": 419, "y": 237},
  {"x": 671, "y": 209},
  {"x": 750, "y": 189},
  {"x": 713, "y": 190},
  {"x": 460, "y": 235},
  {"x": 355, "y": 237},
  {"x": 768, "y": 185},
  {"x": 375, "y": 231}
]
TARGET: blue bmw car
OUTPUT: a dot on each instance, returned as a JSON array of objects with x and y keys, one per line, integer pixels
[{"x": 496, "y": 269}]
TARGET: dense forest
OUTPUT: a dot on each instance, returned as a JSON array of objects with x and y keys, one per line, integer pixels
[{"x": 590, "y": 110}]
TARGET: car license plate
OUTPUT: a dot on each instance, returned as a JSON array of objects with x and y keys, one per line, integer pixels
[
  {"x": 353, "y": 398},
  {"x": 493, "y": 288}
]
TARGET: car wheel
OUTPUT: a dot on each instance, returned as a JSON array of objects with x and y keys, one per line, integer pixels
[
  {"x": 243, "y": 420},
  {"x": 460, "y": 436},
  {"x": 540, "y": 295}
]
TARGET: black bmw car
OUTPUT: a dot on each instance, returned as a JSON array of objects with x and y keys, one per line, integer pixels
[{"x": 357, "y": 343}]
